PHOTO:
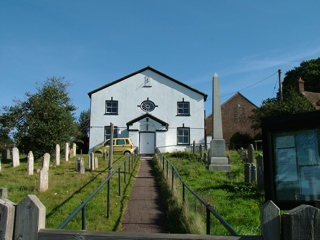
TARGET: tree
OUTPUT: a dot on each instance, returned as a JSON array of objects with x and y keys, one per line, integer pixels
[
  {"x": 309, "y": 71},
  {"x": 84, "y": 128},
  {"x": 292, "y": 103},
  {"x": 43, "y": 120}
]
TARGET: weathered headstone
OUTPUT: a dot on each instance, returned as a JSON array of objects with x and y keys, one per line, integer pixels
[
  {"x": 91, "y": 161},
  {"x": 247, "y": 172},
  {"x": 30, "y": 218},
  {"x": 105, "y": 154},
  {"x": 30, "y": 164},
  {"x": 250, "y": 172},
  {"x": 46, "y": 161},
  {"x": 4, "y": 155},
  {"x": 218, "y": 159},
  {"x": 66, "y": 152},
  {"x": 270, "y": 221},
  {"x": 77, "y": 164},
  {"x": 260, "y": 171},
  {"x": 57, "y": 154},
  {"x": 43, "y": 180},
  {"x": 301, "y": 223},
  {"x": 15, "y": 157},
  {"x": 74, "y": 149},
  {"x": 250, "y": 154},
  {"x": 96, "y": 163},
  {"x": 82, "y": 166},
  {"x": 7, "y": 213},
  {"x": 3, "y": 193}
]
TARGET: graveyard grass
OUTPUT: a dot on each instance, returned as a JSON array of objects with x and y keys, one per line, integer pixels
[
  {"x": 67, "y": 190},
  {"x": 237, "y": 202}
]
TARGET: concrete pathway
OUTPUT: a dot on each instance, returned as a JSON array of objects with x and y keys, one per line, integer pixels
[{"x": 145, "y": 211}]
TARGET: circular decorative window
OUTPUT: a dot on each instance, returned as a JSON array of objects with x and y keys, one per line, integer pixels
[{"x": 147, "y": 106}]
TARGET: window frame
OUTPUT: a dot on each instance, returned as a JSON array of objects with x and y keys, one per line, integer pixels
[
  {"x": 111, "y": 107},
  {"x": 183, "y": 108},
  {"x": 183, "y": 136}
]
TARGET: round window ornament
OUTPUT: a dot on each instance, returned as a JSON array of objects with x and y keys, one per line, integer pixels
[{"x": 147, "y": 106}]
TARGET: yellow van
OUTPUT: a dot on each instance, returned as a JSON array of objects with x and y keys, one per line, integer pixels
[{"x": 120, "y": 146}]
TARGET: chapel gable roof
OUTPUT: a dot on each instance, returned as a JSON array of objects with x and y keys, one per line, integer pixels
[
  {"x": 240, "y": 95},
  {"x": 151, "y": 69}
]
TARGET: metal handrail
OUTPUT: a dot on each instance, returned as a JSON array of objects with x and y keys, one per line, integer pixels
[
  {"x": 209, "y": 208},
  {"x": 82, "y": 206}
]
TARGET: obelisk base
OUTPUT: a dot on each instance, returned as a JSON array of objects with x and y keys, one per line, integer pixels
[{"x": 218, "y": 160}]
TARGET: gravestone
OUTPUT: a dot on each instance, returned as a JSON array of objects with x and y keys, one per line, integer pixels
[
  {"x": 30, "y": 164},
  {"x": 270, "y": 221},
  {"x": 301, "y": 223},
  {"x": 66, "y": 152},
  {"x": 46, "y": 161},
  {"x": 30, "y": 218},
  {"x": 82, "y": 166},
  {"x": 77, "y": 165},
  {"x": 105, "y": 154},
  {"x": 91, "y": 161},
  {"x": 74, "y": 149},
  {"x": 250, "y": 154},
  {"x": 43, "y": 180},
  {"x": 250, "y": 172},
  {"x": 260, "y": 171},
  {"x": 218, "y": 159},
  {"x": 247, "y": 172},
  {"x": 96, "y": 163},
  {"x": 7, "y": 213},
  {"x": 15, "y": 157},
  {"x": 3, "y": 193},
  {"x": 5, "y": 154},
  {"x": 57, "y": 154}
]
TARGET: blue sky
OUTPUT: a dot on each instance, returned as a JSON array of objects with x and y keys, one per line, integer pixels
[{"x": 91, "y": 43}]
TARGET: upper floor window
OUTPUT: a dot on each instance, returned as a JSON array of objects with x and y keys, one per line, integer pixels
[
  {"x": 183, "y": 108},
  {"x": 111, "y": 107},
  {"x": 183, "y": 136}
]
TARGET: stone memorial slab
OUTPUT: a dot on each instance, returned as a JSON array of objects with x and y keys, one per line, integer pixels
[
  {"x": 7, "y": 213},
  {"x": 270, "y": 221},
  {"x": 30, "y": 164},
  {"x": 82, "y": 166},
  {"x": 250, "y": 154},
  {"x": 302, "y": 223},
  {"x": 218, "y": 159},
  {"x": 57, "y": 154},
  {"x": 15, "y": 157},
  {"x": 43, "y": 180},
  {"x": 46, "y": 161},
  {"x": 66, "y": 152}
]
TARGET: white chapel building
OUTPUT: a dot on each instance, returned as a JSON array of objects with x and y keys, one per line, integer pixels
[{"x": 151, "y": 108}]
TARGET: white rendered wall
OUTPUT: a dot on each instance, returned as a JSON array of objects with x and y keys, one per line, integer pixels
[{"x": 164, "y": 92}]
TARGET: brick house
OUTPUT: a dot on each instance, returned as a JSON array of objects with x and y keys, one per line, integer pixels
[
  {"x": 235, "y": 114},
  {"x": 313, "y": 97}
]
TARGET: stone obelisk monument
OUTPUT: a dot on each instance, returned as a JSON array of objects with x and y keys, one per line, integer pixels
[{"x": 218, "y": 159}]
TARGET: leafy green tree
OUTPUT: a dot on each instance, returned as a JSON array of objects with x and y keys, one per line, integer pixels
[
  {"x": 43, "y": 120},
  {"x": 292, "y": 103},
  {"x": 309, "y": 71},
  {"x": 84, "y": 128}
]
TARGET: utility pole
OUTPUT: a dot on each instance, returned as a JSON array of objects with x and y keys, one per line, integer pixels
[
  {"x": 111, "y": 148},
  {"x": 280, "y": 85}
]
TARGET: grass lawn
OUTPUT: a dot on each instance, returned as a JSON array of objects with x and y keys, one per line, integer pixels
[
  {"x": 237, "y": 202},
  {"x": 68, "y": 188}
]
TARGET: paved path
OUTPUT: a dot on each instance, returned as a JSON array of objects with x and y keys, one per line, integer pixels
[{"x": 145, "y": 211}]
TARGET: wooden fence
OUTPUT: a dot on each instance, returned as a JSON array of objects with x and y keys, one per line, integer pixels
[{"x": 26, "y": 220}]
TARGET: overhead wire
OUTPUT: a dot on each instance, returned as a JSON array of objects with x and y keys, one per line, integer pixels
[{"x": 251, "y": 85}]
